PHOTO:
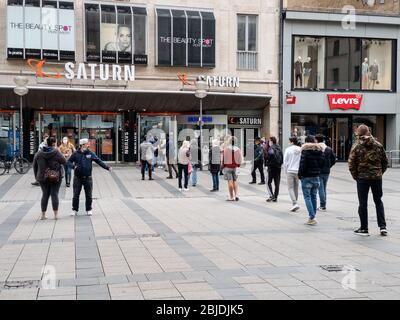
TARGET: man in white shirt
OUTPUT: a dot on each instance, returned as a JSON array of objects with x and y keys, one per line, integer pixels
[{"x": 291, "y": 163}]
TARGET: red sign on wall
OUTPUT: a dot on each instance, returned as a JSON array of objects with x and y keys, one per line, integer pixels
[{"x": 345, "y": 101}]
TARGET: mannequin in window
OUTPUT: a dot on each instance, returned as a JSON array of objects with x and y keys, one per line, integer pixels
[
  {"x": 365, "y": 74},
  {"x": 374, "y": 74},
  {"x": 298, "y": 73},
  {"x": 307, "y": 73}
]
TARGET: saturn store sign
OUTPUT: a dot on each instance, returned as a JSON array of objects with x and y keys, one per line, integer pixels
[{"x": 82, "y": 71}]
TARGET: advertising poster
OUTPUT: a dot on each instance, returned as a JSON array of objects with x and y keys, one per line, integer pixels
[
  {"x": 33, "y": 33},
  {"x": 15, "y": 32},
  {"x": 92, "y": 20},
  {"x": 180, "y": 39},
  {"x": 92, "y": 145},
  {"x": 208, "y": 45},
  {"x": 67, "y": 33},
  {"x": 109, "y": 44},
  {"x": 164, "y": 40},
  {"x": 107, "y": 147},
  {"x": 50, "y": 31}
]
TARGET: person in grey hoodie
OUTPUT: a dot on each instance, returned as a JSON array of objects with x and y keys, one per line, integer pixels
[
  {"x": 49, "y": 158},
  {"x": 291, "y": 164}
]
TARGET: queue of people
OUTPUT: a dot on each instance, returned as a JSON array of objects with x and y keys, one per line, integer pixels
[{"x": 308, "y": 165}]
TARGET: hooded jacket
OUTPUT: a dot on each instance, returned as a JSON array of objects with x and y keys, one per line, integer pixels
[
  {"x": 48, "y": 158},
  {"x": 368, "y": 159},
  {"x": 312, "y": 161},
  {"x": 275, "y": 157},
  {"x": 292, "y": 157},
  {"x": 330, "y": 159}
]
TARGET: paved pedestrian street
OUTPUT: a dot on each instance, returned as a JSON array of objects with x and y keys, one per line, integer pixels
[{"x": 146, "y": 240}]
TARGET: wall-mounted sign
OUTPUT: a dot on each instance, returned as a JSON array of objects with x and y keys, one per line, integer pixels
[
  {"x": 185, "y": 38},
  {"x": 212, "y": 81},
  {"x": 207, "y": 120},
  {"x": 82, "y": 71},
  {"x": 41, "y": 30},
  {"x": 194, "y": 119},
  {"x": 245, "y": 121},
  {"x": 345, "y": 101}
]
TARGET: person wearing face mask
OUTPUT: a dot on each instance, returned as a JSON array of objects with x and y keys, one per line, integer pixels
[
  {"x": 82, "y": 161},
  {"x": 67, "y": 149}
]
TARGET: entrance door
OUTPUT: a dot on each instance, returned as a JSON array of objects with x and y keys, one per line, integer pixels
[
  {"x": 337, "y": 132},
  {"x": 101, "y": 132},
  {"x": 60, "y": 126}
]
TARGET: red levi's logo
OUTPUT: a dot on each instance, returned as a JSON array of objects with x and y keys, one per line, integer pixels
[{"x": 345, "y": 101}]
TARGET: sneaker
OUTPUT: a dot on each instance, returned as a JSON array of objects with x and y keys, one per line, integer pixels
[
  {"x": 36, "y": 184},
  {"x": 275, "y": 200},
  {"x": 311, "y": 222},
  {"x": 43, "y": 217},
  {"x": 261, "y": 184},
  {"x": 68, "y": 185},
  {"x": 170, "y": 178},
  {"x": 295, "y": 208},
  {"x": 361, "y": 232},
  {"x": 74, "y": 213},
  {"x": 180, "y": 189},
  {"x": 89, "y": 213},
  {"x": 384, "y": 232},
  {"x": 270, "y": 199},
  {"x": 253, "y": 182},
  {"x": 187, "y": 189},
  {"x": 322, "y": 209}
]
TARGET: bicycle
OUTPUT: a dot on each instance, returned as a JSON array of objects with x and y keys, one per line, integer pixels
[{"x": 21, "y": 165}]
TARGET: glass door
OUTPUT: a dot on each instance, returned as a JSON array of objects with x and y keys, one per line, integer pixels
[
  {"x": 336, "y": 131},
  {"x": 60, "y": 126},
  {"x": 101, "y": 130}
]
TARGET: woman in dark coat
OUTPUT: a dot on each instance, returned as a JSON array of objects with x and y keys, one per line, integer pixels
[
  {"x": 215, "y": 164},
  {"x": 48, "y": 168}
]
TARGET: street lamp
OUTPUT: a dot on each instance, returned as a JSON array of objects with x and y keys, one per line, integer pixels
[
  {"x": 21, "y": 90},
  {"x": 201, "y": 93}
]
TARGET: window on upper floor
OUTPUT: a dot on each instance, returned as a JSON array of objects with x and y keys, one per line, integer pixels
[
  {"x": 247, "y": 44},
  {"x": 348, "y": 64},
  {"x": 185, "y": 38},
  {"x": 115, "y": 33}
]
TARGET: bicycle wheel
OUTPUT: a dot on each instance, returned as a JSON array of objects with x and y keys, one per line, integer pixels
[
  {"x": 3, "y": 168},
  {"x": 22, "y": 165}
]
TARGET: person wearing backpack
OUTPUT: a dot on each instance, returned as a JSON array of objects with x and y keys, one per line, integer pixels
[
  {"x": 274, "y": 161},
  {"x": 329, "y": 162},
  {"x": 48, "y": 168}
]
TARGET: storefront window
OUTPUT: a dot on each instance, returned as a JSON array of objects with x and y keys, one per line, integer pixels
[
  {"x": 7, "y": 121},
  {"x": 116, "y": 34},
  {"x": 185, "y": 38},
  {"x": 304, "y": 125},
  {"x": 335, "y": 63},
  {"x": 309, "y": 63},
  {"x": 377, "y": 64}
]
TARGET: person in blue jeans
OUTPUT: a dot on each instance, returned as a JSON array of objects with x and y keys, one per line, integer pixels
[
  {"x": 196, "y": 160},
  {"x": 311, "y": 163},
  {"x": 329, "y": 162},
  {"x": 215, "y": 164}
]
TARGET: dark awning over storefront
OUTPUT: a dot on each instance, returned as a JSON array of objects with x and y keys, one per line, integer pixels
[{"x": 82, "y": 100}]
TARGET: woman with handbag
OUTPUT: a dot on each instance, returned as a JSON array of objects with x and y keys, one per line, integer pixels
[
  {"x": 48, "y": 168},
  {"x": 184, "y": 158}
]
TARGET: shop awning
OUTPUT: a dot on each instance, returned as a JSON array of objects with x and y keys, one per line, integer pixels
[{"x": 80, "y": 100}]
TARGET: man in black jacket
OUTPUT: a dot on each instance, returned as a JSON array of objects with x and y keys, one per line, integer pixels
[
  {"x": 258, "y": 163},
  {"x": 329, "y": 162},
  {"x": 81, "y": 161},
  {"x": 274, "y": 161},
  {"x": 311, "y": 163}
]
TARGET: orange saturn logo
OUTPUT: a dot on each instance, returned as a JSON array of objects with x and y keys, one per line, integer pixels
[{"x": 38, "y": 65}]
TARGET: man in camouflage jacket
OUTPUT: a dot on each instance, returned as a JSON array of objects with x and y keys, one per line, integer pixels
[{"x": 367, "y": 163}]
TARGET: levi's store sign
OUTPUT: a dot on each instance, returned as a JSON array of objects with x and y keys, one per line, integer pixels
[{"x": 345, "y": 101}]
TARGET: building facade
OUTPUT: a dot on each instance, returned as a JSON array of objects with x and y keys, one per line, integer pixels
[
  {"x": 340, "y": 70},
  {"x": 111, "y": 71}
]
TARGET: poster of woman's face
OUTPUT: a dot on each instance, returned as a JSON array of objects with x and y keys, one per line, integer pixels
[{"x": 116, "y": 37}]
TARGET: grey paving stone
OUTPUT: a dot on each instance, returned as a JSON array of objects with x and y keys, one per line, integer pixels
[
  {"x": 91, "y": 290},
  {"x": 165, "y": 276},
  {"x": 114, "y": 280}
]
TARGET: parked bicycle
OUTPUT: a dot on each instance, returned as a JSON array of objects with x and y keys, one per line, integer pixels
[{"x": 20, "y": 164}]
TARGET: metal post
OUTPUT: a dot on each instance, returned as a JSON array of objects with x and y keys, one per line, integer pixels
[
  {"x": 201, "y": 134},
  {"x": 21, "y": 135}
]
